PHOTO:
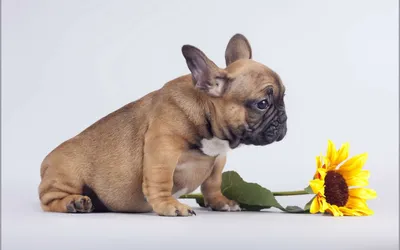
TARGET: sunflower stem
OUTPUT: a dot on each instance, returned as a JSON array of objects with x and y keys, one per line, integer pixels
[
  {"x": 290, "y": 193},
  {"x": 285, "y": 193},
  {"x": 191, "y": 196}
]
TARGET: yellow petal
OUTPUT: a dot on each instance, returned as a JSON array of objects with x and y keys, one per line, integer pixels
[
  {"x": 320, "y": 174},
  {"x": 362, "y": 193},
  {"x": 362, "y": 177},
  {"x": 317, "y": 186},
  {"x": 356, "y": 162},
  {"x": 327, "y": 164},
  {"x": 331, "y": 152},
  {"x": 364, "y": 211},
  {"x": 359, "y": 205},
  {"x": 334, "y": 210},
  {"x": 314, "y": 208},
  {"x": 318, "y": 161},
  {"x": 353, "y": 166},
  {"x": 319, "y": 167},
  {"x": 323, "y": 205},
  {"x": 343, "y": 153},
  {"x": 357, "y": 182},
  {"x": 364, "y": 174},
  {"x": 349, "y": 212},
  {"x": 356, "y": 203}
]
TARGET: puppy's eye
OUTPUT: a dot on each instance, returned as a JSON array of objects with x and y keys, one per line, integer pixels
[{"x": 262, "y": 105}]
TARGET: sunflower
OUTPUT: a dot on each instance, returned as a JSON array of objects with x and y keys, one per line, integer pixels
[{"x": 339, "y": 184}]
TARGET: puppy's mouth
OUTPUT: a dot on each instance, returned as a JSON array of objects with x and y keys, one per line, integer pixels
[{"x": 271, "y": 129}]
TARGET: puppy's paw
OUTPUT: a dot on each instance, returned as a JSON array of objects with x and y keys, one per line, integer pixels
[
  {"x": 172, "y": 207},
  {"x": 80, "y": 204},
  {"x": 221, "y": 203}
]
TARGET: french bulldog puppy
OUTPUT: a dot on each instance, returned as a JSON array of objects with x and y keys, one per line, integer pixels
[{"x": 143, "y": 156}]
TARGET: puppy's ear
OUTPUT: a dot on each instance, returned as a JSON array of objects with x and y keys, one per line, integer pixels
[
  {"x": 238, "y": 48},
  {"x": 206, "y": 75}
]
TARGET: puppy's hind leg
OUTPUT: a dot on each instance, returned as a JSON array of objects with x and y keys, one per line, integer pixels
[{"x": 60, "y": 193}]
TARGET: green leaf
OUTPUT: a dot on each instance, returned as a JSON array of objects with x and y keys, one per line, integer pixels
[
  {"x": 200, "y": 201},
  {"x": 308, "y": 205},
  {"x": 294, "y": 209},
  {"x": 309, "y": 190},
  {"x": 252, "y": 207},
  {"x": 251, "y": 196}
]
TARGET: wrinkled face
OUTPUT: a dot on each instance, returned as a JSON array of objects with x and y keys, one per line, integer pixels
[
  {"x": 247, "y": 96},
  {"x": 258, "y": 93}
]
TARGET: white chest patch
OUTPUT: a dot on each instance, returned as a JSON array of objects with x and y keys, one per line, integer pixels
[{"x": 214, "y": 146}]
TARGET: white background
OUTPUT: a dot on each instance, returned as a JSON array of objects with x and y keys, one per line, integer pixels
[{"x": 66, "y": 64}]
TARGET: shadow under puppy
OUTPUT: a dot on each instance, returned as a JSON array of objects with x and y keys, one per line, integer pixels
[{"x": 143, "y": 156}]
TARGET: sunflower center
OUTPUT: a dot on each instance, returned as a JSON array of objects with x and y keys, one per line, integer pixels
[{"x": 336, "y": 189}]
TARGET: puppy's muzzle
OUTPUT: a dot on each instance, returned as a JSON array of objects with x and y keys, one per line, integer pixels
[
  {"x": 273, "y": 128},
  {"x": 282, "y": 118},
  {"x": 276, "y": 130}
]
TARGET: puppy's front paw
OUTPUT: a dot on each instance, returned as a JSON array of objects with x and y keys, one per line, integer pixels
[
  {"x": 172, "y": 207},
  {"x": 221, "y": 203},
  {"x": 80, "y": 204}
]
